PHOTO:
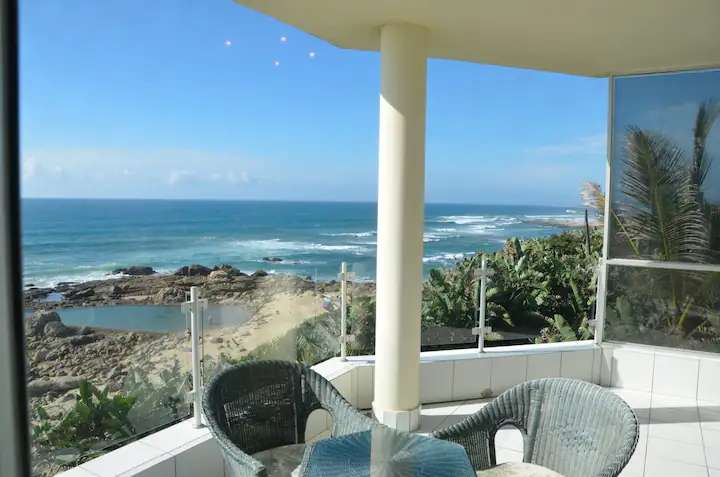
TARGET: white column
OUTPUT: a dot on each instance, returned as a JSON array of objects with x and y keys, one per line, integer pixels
[{"x": 401, "y": 188}]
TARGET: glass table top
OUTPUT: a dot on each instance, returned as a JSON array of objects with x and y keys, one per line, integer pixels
[{"x": 384, "y": 452}]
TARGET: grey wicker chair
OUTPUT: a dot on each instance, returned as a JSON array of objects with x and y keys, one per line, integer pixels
[
  {"x": 260, "y": 405},
  {"x": 573, "y": 427}
]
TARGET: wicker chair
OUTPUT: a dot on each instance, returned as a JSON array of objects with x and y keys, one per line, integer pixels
[
  {"x": 572, "y": 427},
  {"x": 261, "y": 405}
]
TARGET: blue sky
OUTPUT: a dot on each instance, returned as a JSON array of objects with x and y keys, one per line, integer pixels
[{"x": 130, "y": 98}]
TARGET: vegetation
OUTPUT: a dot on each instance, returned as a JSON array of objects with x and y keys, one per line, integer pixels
[
  {"x": 99, "y": 420},
  {"x": 544, "y": 287}
]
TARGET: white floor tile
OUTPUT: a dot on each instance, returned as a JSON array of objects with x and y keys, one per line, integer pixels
[
  {"x": 669, "y": 468},
  {"x": 711, "y": 439},
  {"x": 671, "y": 409},
  {"x": 709, "y": 384},
  {"x": 434, "y": 415},
  {"x": 509, "y": 437},
  {"x": 713, "y": 457},
  {"x": 688, "y": 433},
  {"x": 709, "y": 416},
  {"x": 507, "y": 455},
  {"x": 676, "y": 376},
  {"x": 665, "y": 449}
]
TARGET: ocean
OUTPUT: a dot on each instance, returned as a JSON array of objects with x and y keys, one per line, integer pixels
[{"x": 85, "y": 239}]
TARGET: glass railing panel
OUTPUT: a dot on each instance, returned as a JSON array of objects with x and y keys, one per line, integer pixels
[
  {"x": 360, "y": 300},
  {"x": 101, "y": 376},
  {"x": 276, "y": 316},
  {"x": 673, "y": 308},
  {"x": 538, "y": 290}
]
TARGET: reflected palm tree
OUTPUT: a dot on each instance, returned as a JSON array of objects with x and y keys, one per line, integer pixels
[{"x": 664, "y": 215}]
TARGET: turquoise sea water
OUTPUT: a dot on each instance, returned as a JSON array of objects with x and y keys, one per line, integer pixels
[
  {"x": 157, "y": 318},
  {"x": 84, "y": 239}
]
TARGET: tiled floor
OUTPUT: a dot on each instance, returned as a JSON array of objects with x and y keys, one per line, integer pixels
[{"x": 678, "y": 437}]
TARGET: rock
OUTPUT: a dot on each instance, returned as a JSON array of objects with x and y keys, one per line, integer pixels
[
  {"x": 216, "y": 339},
  {"x": 35, "y": 325},
  {"x": 218, "y": 275},
  {"x": 260, "y": 273},
  {"x": 193, "y": 271},
  {"x": 41, "y": 355},
  {"x": 83, "y": 293},
  {"x": 83, "y": 339},
  {"x": 170, "y": 295},
  {"x": 272, "y": 259},
  {"x": 232, "y": 271},
  {"x": 61, "y": 384},
  {"x": 57, "y": 329},
  {"x": 135, "y": 270}
]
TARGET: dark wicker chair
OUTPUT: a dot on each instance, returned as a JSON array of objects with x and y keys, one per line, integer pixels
[
  {"x": 572, "y": 427},
  {"x": 260, "y": 405}
]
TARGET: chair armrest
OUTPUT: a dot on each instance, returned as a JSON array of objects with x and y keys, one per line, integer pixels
[
  {"x": 348, "y": 420},
  {"x": 239, "y": 463},
  {"x": 476, "y": 434}
]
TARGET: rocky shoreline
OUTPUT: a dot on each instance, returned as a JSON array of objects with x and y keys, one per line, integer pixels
[
  {"x": 60, "y": 356},
  {"x": 221, "y": 284}
]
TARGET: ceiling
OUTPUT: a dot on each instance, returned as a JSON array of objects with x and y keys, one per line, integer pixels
[{"x": 582, "y": 37}]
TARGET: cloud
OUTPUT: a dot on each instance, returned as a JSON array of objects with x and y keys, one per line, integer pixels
[
  {"x": 176, "y": 177},
  {"x": 29, "y": 167},
  {"x": 582, "y": 146},
  {"x": 161, "y": 173},
  {"x": 230, "y": 177}
]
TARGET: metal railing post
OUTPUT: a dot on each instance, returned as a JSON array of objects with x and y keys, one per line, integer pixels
[
  {"x": 600, "y": 302},
  {"x": 343, "y": 311},
  {"x": 481, "y": 305},
  {"x": 195, "y": 317}
]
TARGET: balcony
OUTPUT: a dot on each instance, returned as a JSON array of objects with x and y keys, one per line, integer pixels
[
  {"x": 629, "y": 302},
  {"x": 674, "y": 394}
]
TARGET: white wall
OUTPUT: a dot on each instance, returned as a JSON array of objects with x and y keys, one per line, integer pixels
[{"x": 181, "y": 451}]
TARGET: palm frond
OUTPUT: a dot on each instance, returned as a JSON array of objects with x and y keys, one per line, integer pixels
[
  {"x": 707, "y": 114},
  {"x": 661, "y": 210},
  {"x": 593, "y": 197}
]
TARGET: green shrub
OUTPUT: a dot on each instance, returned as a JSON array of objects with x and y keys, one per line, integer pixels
[
  {"x": 95, "y": 421},
  {"x": 542, "y": 286}
]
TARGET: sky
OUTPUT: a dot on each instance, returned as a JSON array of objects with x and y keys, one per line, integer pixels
[
  {"x": 666, "y": 104},
  {"x": 207, "y": 99}
]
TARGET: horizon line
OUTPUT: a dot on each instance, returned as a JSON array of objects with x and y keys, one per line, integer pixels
[{"x": 157, "y": 199}]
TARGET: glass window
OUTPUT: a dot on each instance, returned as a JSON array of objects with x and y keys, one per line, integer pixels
[
  {"x": 675, "y": 308},
  {"x": 665, "y": 183}
]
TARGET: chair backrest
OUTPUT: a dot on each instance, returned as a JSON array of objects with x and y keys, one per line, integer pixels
[
  {"x": 572, "y": 427},
  {"x": 259, "y": 405}
]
